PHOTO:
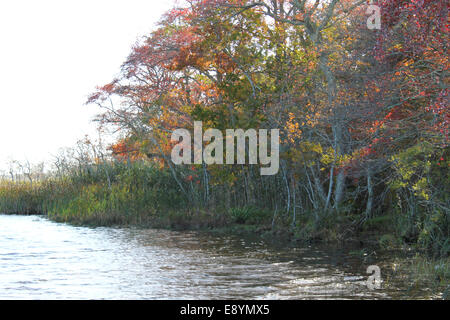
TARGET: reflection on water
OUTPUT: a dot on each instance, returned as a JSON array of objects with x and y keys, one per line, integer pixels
[{"x": 40, "y": 259}]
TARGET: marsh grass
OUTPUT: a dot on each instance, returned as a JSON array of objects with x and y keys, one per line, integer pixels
[
  {"x": 141, "y": 195},
  {"x": 21, "y": 198},
  {"x": 421, "y": 271}
]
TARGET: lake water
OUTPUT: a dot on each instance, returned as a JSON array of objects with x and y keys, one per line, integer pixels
[{"x": 40, "y": 259}]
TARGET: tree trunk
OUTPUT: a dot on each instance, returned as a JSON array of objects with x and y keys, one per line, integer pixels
[{"x": 370, "y": 193}]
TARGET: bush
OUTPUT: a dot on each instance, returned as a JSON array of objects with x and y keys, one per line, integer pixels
[{"x": 249, "y": 215}]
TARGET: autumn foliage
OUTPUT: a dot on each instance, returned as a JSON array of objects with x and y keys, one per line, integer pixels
[{"x": 363, "y": 114}]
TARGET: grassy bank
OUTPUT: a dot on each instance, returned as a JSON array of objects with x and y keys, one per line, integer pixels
[{"x": 143, "y": 195}]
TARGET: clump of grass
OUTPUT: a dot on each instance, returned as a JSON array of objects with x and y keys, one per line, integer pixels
[
  {"x": 249, "y": 215},
  {"x": 389, "y": 241},
  {"x": 436, "y": 271},
  {"x": 379, "y": 223},
  {"x": 21, "y": 198},
  {"x": 424, "y": 272}
]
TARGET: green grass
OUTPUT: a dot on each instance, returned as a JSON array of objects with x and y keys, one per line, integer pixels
[{"x": 421, "y": 271}]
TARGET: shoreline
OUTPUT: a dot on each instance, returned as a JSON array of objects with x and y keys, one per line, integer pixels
[{"x": 400, "y": 262}]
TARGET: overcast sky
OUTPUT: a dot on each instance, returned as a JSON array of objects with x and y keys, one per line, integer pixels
[{"x": 52, "y": 55}]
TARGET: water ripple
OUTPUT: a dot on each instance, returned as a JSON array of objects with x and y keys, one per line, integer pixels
[{"x": 40, "y": 259}]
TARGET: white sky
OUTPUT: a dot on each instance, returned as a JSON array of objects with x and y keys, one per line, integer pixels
[{"x": 52, "y": 55}]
